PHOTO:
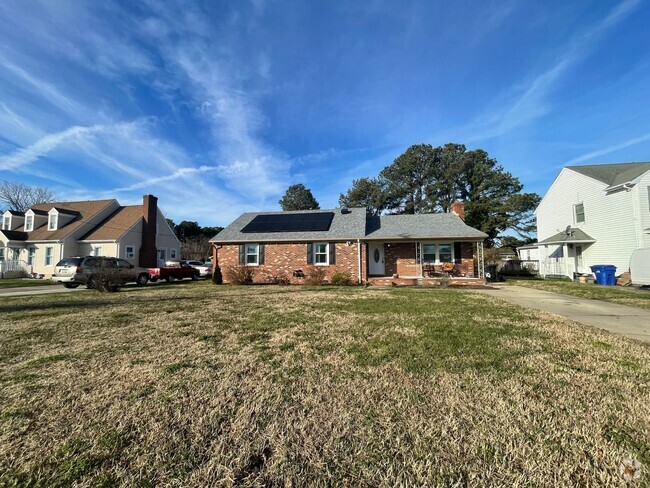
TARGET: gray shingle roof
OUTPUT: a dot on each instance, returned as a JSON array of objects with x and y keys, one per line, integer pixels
[
  {"x": 421, "y": 226},
  {"x": 612, "y": 174},
  {"x": 345, "y": 226},
  {"x": 356, "y": 225},
  {"x": 576, "y": 236}
]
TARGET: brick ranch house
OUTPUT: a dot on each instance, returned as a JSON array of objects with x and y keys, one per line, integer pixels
[{"x": 399, "y": 249}]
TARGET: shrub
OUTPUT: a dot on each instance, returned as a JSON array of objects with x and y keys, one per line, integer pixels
[
  {"x": 217, "y": 276},
  {"x": 105, "y": 279},
  {"x": 278, "y": 279},
  {"x": 342, "y": 278},
  {"x": 315, "y": 276},
  {"x": 240, "y": 275}
]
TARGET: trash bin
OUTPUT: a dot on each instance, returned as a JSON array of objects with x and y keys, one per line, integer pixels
[
  {"x": 605, "y": 274},
  {"x": 491, "y": 273}
]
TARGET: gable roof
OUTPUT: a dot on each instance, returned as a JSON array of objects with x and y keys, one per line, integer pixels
[
  {"x": 576, "y": 236},
  {"x": 345, "y": 226},
  {"x": 115, "y": 225},
  {"x": 16, "y": 213},
  {"x": 613, "y": 174},
  {"x": 14, "y": 235},
  {"x": 421, "y": 226},
  {"x": 357, "y": 225},
  {"x": 84, "y": 212}
]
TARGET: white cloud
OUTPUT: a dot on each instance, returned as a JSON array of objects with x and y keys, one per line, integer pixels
[{"x": 610, "y": 149}]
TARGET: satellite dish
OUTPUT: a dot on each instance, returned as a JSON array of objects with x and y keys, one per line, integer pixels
[{"x": 568, "y": 230}]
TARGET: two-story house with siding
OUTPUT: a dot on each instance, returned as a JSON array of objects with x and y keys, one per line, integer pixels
[
  {"x": 35, "y": 240},
  {"x": 594, "y": 214}
]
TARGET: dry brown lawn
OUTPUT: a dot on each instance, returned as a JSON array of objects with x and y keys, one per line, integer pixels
[{"x": 198, "y": 385}]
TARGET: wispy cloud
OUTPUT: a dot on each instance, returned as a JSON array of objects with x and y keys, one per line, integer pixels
[
  {"x": 532, "y": 101},
  {"x": 610, "y": 149}
]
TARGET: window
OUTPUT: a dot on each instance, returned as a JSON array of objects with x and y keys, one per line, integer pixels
[
  {"x": 130, "y": 252},
  {"x": 15, "y": 254},
  {"x": 2, "y": 253},
  {"x": 49, "y": 254},
  {"x": 579, "y": 213},
  {"x": 321, "y": 253},
  {"x": 172, "y": 254},
  {"x": 429, "y": 253},
  {"x": 162, "y": 254},
  {"x": 98, "y": 251},
  {"x": 6, "y": 223},
  {"x": 252, "y": 254},
  {"x": 444, "y": 253},
  {"x": 31, "y": 254},
  {"x": 51, "y": 223},
  {"x": 121, "y": 263},
  {"x": 29, "y": 223}
]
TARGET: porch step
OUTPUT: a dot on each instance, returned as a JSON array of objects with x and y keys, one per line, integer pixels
[{"x": 389, "y": 281}]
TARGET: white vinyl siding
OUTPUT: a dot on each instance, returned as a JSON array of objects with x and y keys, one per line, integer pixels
[{"x": 614, "y": 229}]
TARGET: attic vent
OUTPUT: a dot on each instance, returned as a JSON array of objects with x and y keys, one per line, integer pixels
[{"x": 345, "y": 210}]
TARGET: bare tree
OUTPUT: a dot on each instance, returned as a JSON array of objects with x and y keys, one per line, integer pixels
[
  {"x": 20, "y": 197},
  {"x": 198, "y": 247}
]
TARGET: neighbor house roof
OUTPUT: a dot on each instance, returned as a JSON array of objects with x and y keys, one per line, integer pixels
[
  {"x": 574, "y": 236},
  {"x": 354, "y": 224},
  {"x": 83, "y": 210},
  {"x": 613, "y": 174},
  {"x": 115, "y": 225},
  {"x": 16, "y": 213},
  {"x": 344, "y": 226},
  {"x": 14, "y": 235},
  {"x": 421, "y": 226}
]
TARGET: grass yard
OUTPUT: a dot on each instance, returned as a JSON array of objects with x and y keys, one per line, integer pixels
[
  {"x": 19, "y": 283},
  {"x": 199, "y": 385},
  {"x": 633, "y": 297}
]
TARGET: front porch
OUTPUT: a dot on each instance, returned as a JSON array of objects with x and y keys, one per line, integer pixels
[{"x": 432, "y": 263}]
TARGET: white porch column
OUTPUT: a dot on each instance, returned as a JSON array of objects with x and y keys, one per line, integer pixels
[{"x": 565, "y": 256}]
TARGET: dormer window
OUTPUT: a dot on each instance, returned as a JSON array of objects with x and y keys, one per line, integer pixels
[
  {"x": 29, "y": 223},
  {"x": 6, "y": 223},
  {"x": 52, "y": 221}
]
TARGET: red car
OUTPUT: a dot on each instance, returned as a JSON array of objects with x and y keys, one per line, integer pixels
[{"x": 174, "y": 270}]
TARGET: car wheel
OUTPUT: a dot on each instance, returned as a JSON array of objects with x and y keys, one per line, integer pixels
[
  {"x": 194, "y": 277},
  {"x": 70, "y": 285},
  {"x": 169, "y": 279},
  {"x": 90, "y": 284},
  {"x": 142, "y": 279}
]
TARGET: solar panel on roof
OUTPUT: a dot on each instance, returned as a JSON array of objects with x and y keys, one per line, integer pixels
[{"x": 306, "y": 222}]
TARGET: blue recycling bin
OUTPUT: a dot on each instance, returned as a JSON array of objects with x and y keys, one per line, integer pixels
[{"x": 605, "y": 274}]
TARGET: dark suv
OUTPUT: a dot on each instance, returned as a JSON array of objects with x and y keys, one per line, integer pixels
[{"x": 75, "y": 271}]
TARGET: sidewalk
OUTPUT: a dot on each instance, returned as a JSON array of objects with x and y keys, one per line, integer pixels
[
  {"x": 36, "y": 290},
  {"x": 620, "y": 319}
]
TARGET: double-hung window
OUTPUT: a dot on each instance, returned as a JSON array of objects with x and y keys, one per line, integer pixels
[
  {"x": 2, "y": 253},
  {"x": 172, "y": 254},
  {"x": 52, "y": 222},
  {"x": 29, "y": 223},
  {"x": 130, "y": 252},
  {"x": 31, "y": 255},
  {"x": 429, "y": 253},
  {"x": 321, "y": 253},
  {"x": 6, "y": 223},
  {"x": 49, "y": 255},
  {"x": 437, "y": 253},
  {"x": 579, "y": 211},
  {"x": 98, "y": 251},
  {"x": 252, "y": 254},
  {"x": 444, "y": 253}
]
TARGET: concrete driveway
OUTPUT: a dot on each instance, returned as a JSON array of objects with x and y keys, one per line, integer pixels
[
  {"x": 620, "y": 319},
  {"x": 37, "y": 290}
]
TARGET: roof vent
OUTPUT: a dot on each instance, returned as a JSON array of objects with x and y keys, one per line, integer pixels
[{"x": 345, "y": 210}]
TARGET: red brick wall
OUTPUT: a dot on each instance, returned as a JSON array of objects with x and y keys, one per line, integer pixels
[
  {"x": 400, "y": 259},
  {"x": 282, "y": 259}
]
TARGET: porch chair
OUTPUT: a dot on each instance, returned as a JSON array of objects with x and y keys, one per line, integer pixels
[{"x": 448, "y": 268}]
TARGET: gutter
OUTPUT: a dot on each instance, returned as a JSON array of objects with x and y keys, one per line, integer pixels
[{"x": 359, "y": 259}]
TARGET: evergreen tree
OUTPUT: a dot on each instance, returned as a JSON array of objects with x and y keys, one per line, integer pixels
[{"x": 297, "y": 197}]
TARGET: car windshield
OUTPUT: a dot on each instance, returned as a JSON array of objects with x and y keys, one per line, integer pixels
[{"x": 69, "y": 262}]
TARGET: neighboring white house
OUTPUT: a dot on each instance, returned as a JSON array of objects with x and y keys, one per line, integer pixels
[
  {"x": 595, "y": 214},
  {"x": 34, "y": 241}
]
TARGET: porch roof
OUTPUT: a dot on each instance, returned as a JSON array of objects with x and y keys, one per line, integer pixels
[
  {"x": 14, "y": 235},
  {"x": 575, "y": 236},
  {"x": 421, "y": 226}
]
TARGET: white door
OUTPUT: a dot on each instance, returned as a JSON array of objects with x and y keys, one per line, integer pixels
[{"x": 376, "y": 259}]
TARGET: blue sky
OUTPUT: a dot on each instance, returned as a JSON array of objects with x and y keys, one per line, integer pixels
[{"x": 217, "y": 107}]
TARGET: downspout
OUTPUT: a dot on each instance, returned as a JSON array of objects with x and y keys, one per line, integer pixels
[{"x": 359, "y": 259}]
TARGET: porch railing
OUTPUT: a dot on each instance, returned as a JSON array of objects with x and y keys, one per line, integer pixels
[{"x": 13, "y": 265}]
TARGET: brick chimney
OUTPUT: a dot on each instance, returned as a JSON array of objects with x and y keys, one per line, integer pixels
[
  {"x": 148, "y": 252},
  {"x": 458, "y": 208}
]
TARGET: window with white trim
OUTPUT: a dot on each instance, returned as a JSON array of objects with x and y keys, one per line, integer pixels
[
  {"x": 49, "y": 255},
  {"x": 445, "y": 253},
  {"x": 6, "y": 223},
  {"x": 429, "y": 253},
  {"x": 162, "y": 254},
  {"x": 52, "y": 221},
  {"x": 252, "y": 254},
  {"x": 98, "y": 251},
  {"x": 130, "y": 252},
  {"x": 172, "y": 254},
  {"x": 579, "y": 213},
  {"x": 29, "y": 223},
  {"x": 31, "y": 256},
  {"x": 321, "y": 253}
]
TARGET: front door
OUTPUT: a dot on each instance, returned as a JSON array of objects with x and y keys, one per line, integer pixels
[
  {"x": 578, "y": 256},
  {"x": 376, "y": 259}
]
